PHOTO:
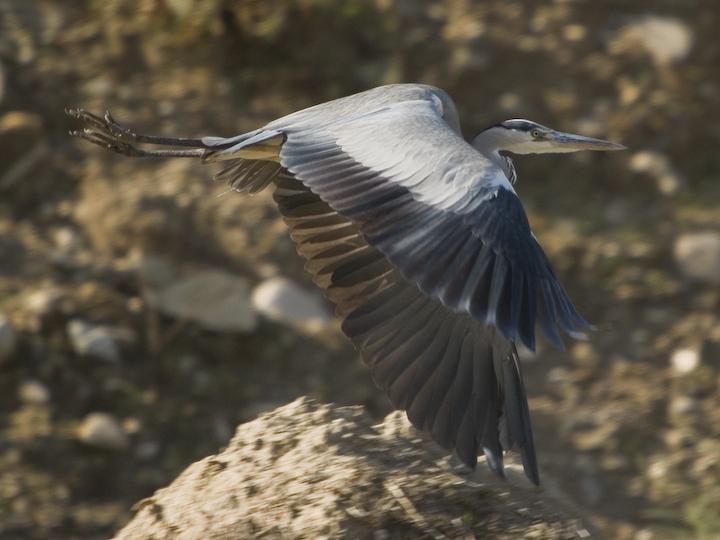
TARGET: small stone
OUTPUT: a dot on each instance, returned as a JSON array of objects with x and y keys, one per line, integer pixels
[
  {"x": 131, "y": 425},
  {"x": 698, "y": 256},
  {"x": 66, "y": 239},
  {"x": 679, "y": 438},
  {"x": 93, "y": 340},
  {"x": 102, "y": 430},
  {"x": 43, "y": 301},
  {"x": 8, "y": 338},
  {"x": 666, "y": 39},
  {"x": 682, "y": 405},
  {"x": 33, "y": 392},
  {"x": 657, "y": 470},
  {"x": 282, "y": 300},
  {"x": 214, "y": 299},
  {"x": 685, "y": 360},
  {"x": 574, "y": 32},
  {"x": 585, "y": 355},
  {"x": 658, "y": 167}
]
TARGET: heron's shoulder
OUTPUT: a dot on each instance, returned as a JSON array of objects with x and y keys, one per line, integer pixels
[{"x": 368, "y": 102}]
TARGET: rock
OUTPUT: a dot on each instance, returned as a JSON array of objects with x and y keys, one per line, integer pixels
[
  {"x": 282, "y": 300},
  {"x": 102, "y": 430},
  {"x": 93, "y": 340},
  {"x": 311, "y": 471},
  {"x": 684, "y": 360},
  {"x": 666, "y": 39},
  {"x": 682, "y": 405},
  {"x": 214, "y": 299},
  {"x": 698, "y": 256},
  {"x": 33, "y": 392},
  {"x": 8, "y": 338},
  {"x": 43, "y": 301},
  {"x": 658, "y": 167}
]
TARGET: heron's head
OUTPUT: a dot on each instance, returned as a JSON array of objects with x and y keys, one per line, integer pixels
[{"x": 526, "y": 137}]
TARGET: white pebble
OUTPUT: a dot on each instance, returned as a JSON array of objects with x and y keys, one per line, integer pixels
[
  {"x": 33, "y": 392},
  {"x": 667, "y": 39},
  {"x": 656, "y": 470},
  {"x": 282, "y": 300},
  {"x": 92, "y": 340},
  {"x": 698, "y": 256},
  {"x": 102, "y": 430},
  {"x": 682, "y": 405},
  {"x": 43, "y": 301},
  {"x": 685, "y": 360},
  {"x": 214, "y": 299}
]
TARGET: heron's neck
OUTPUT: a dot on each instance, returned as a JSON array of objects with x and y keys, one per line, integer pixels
[
  {"x": 505, "y": 163},
  {"x": 489, "y": 143}
]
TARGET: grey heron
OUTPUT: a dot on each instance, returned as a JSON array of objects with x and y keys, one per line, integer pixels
[{"x": 419, "y": 239}]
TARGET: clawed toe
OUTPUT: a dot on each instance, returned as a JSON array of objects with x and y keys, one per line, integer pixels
[{"x": 104, "y": 132}]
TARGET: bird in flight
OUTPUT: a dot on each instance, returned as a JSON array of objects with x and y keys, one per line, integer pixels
[{"x": 419, "y": 239}]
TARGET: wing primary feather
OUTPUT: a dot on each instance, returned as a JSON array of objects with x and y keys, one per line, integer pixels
[
  {"x": 446, "y": 374},
  {"x": 491, "y": 435},
  {"x": 427, "y": 367},
  {"x": 498, "y": 282},
  {"x": 518, "y": 414},
  {"x": 466, "y": 446},
  {"x": 418, "y": 326},
  {"x": 527, "y": 315},
  {"x": 378, "y": 311},
  {"x": 409, "y": 356},
  {"x": 360, "y": 270},
  {"x": 461, "y": 400},
  {"x": 431, "y": 269},
  {"x": 475, "y": 293},
  {"x": 453, "y": 280},
  {"x": 547, "y": 315}
]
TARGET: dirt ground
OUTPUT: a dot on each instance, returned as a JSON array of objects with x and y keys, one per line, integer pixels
[{"x": 630, "y": 436}]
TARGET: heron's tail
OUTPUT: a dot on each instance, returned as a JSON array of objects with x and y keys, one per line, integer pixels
[{"x": 260, "y": 144}]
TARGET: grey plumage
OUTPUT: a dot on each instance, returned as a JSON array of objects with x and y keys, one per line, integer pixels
[{"x": 421, "y": 241}]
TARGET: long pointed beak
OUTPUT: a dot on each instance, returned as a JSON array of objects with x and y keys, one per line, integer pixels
[{"x": 567, "y": 142}]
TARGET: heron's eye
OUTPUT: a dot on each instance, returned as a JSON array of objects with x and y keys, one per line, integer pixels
[{"x": 535, "y": 133}]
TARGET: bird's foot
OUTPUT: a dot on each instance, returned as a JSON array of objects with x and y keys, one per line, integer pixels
[{"x": 106, "y": 132}]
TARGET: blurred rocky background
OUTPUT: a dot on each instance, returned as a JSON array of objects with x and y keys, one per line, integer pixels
[{"x": 145, "y": 311}]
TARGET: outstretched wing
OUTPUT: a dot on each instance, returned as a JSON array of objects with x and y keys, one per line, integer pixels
[
  {"x": 444, "y": 215},
  {"x": 457, "y": 378},
  {"x": 424, "y": 246}
]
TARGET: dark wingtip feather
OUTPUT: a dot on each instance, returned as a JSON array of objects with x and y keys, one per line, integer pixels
[
  {"x": 531, "y": 471},
  {"x": 518, "y": 415}
]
